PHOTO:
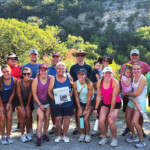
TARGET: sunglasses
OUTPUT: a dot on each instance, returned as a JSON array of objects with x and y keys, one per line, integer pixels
[
  {"x": 80, "y": 55},
  {"x": 134, "y": 55},
  {"x": 24, "y": 74},
  {"x": 105, "y": 60},
  {"x": 13, "y": 58}
]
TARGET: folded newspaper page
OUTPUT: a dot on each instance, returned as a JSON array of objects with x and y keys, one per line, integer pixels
[{"x": 61, "y": 95}]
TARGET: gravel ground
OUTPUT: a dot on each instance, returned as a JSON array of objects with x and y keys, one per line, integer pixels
[{"x": 74, "y": 144}]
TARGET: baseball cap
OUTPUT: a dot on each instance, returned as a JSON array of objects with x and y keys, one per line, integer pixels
[
  {"x": 43, "y": 66},
  {"x": 107, "y": 69},
  {"x": 55, "y": 55},
  {"x": 82, "y": 70},
  {"x": 135, "y": 51},
  {"x": 33, "y": 51}
]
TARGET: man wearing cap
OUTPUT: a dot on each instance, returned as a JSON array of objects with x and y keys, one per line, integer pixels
[
  {"x": 52, "y": 71},
  {"x": 33, "y": 65},
  {"x": 134, "y": 56},
  {"x": 80, "y": 55},
  {"x": 15, "y": 68}
]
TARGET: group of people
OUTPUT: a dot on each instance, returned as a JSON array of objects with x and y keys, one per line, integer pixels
[{"x": 53, "y": 91}]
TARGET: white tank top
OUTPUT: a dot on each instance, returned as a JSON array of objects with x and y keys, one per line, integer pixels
[
  {"x": 143, "y": 93},
  {"x": 83, "y": 96}
]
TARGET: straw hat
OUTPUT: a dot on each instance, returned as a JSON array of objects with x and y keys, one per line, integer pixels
[
  {"x": 80, "y": 51},
  {"x": 12, "y": 55}
]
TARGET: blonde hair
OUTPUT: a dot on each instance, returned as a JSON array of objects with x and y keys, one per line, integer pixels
[{"x": 60, "y": 63}]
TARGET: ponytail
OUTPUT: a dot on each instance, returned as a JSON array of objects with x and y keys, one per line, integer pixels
[{"x": 88, "y": 81}]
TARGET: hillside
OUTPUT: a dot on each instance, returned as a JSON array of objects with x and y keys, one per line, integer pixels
[{"x": 110, "y": 24}]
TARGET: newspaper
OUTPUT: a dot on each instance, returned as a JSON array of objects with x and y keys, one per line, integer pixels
[{"x": 61, "y": 95}]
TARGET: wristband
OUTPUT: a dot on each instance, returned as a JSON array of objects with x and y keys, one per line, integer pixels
[
  {"x": 95, "y": 109},
  {"x": 9, "y": 105}
]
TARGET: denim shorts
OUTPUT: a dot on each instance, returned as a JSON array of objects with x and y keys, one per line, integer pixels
[
  {"x": 62, "y": 111},
  {"x": 36, "y": 106},
  {"x": 142, "y": 103}
]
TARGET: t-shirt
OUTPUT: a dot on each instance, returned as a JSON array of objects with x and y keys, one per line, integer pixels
[
  {"x": 93, "y": 75},
  {"x": 74, "y": 70},
  {"x": 125, "y": 88},
  {"x": 148, "y": 80},
  {"x": 145, "y": 67},
  {"x": 52, "y": 71},
  {"x": 16, "y": 71},
  {"x": 34, "y": 68}
]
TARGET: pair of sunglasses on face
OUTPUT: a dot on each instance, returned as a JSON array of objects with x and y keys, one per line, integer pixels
[
  {"x": 80, "y": 55},
  {"x": 13, "y": 58},
  {"x": 105, "y": 60},
  {"x": 24, "y": 74},
  {"x": 134, "y": 55}
]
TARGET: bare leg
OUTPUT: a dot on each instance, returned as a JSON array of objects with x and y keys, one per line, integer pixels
[
  {"x": 58, "y": 121},
  {"x": 66, "y": 124},
  {"x": 9, "y": 121},
  {"x": 102, "y": 119},
  {"x": 46, "y": 120},
  {"x": 2, "y": 124},
  {"x": 137, "y": 105},
  {"x": 28, "y": 119},
  {"x": 76, "y": 117},
  {"x": 136, "y": 118},
  {"x": 86, "y": 120},
  {"x": 112, "y": 124},
  {"x": 40, "y": 115},
  {"x": 128, "y": 117},
  {"x": 22, "y": 118}
]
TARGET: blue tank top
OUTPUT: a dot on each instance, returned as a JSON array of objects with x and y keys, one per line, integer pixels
[
  {"x": 7, "y": 91},
  {"x": 57, "y": 84}
]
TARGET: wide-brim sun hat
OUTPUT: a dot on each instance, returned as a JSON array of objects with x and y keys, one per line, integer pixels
[
  {"x": 107, "y": 69},
  {"x": 80, "y": 51},
  {"x": 12, "y": 55},
  {"x": 100, "y": 59}
]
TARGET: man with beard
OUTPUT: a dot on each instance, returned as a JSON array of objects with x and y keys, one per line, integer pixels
[
  {"x": 34, "y": 66},
  {"x": 80, "y": 55},
  {"x": 134, "y": 56}
]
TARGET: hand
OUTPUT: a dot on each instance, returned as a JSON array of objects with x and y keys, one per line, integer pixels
[
  {"x": 60, "y": 104},
  {"x": 95, "y": 112},
  {"x": 80, "y": 112},
  {"x": 112, "y": 115},
  {"x": 70, "y": 94},
  {"x": 7, "y": 108},
  {"x": 42, "y": 107},
  {"x": 1, "y": 109},
  {"x": 124, "y": 94},
  {"x": 23, "y": 109},
  {"x": 28, "y": 109},
  {"x": 85, "y": 112}
]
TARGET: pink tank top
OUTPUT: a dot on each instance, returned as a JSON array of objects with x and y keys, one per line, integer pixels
[{"x": 107, "y": 94}]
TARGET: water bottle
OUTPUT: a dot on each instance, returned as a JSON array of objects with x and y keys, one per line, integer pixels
[
  {"x": 96, "y": 124},
  {"x": 81, "y": 122}
]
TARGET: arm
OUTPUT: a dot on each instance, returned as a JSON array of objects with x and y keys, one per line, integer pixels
[
  {"x": 34, "y": 91},
  {"x": 30, "y": 95},
  {"x": 126, "y": 83},
  {"x": 114, "y": 94},
  {"x": 143, "y": 82},
  {"x": 12, "y": 94},
  {"x": 50, "y": 88},
  {"x": 76, "y": 95},
  {"x": 19, "y": 93},
  {"x": 98, "y": 98},
  {"x": 1, "y": 106}
]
